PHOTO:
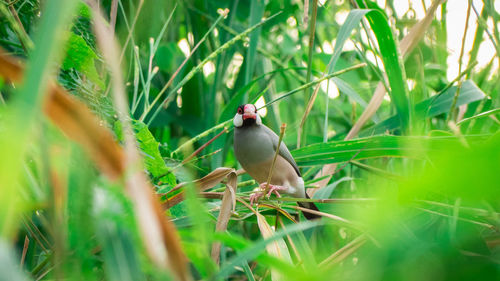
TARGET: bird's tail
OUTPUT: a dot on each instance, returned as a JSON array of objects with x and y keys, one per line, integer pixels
[{"x": 311, "y": 206}]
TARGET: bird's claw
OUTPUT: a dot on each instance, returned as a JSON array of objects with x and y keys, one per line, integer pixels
[
  {"x": 273, "y": 190},
  {"x": 254, "y": 198}
]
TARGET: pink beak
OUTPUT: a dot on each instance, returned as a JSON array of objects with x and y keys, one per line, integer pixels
[{"x": 249, "y": 112}]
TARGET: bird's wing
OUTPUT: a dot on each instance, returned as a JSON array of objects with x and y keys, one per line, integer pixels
[{"x": 284, "y": 152}]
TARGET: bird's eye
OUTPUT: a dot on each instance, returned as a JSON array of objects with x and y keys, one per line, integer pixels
[{"x": 240, "y": 111}]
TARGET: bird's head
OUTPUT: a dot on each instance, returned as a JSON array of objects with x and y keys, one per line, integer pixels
[{"x": 246, "y": 115}]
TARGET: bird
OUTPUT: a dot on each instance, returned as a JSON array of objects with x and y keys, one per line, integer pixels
[{"x": 255, "y": 146}]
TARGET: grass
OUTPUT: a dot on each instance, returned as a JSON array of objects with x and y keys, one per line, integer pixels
[{"x": 117, "y": 164}]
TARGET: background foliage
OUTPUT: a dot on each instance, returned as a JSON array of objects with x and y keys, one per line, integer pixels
[{"x": 414, "y": 193}]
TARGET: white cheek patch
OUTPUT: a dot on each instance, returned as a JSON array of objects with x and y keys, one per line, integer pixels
[
  {"x": 238, "y": 120},
  {"x": 258, "y": 121}
]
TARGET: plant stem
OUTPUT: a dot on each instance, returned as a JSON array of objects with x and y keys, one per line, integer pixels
[{"x": 282, "y": 132}]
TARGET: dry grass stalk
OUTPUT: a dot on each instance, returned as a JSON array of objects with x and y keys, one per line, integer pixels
[{"x": 212, "y": 179}]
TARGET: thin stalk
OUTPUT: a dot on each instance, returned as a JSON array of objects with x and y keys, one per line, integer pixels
[
  {"x": 492, "y": 38},
  {"x": 487, "y": 225},
  {"x": 141, "y": 76},
  {"x": 215, "y": 195},
  {"x": 136, "y": 85},
  {"x": 270, "y": 175},
  {"x": 131, "y": 29},
  {"x": 198, "y": 68},
  {"x": 451, "y": 115},
  {"x": 199, "y": 136},
  {"x": 12, "y": 17},
  {"x": 312, "y": 83},
  {"x": 325, "y": 124},
  {"x": 482, "y": 114},
  {"x": 327, "y": 215},
  {"x": 312, "y": 29},
  {"x": 345, "y": 251},
  {"x": 476, "y": 211},
  {"x": 25, "y": 249},
  {"x": 21, "y": 32},
  {"x": 177, "y": 71},
  {"x": 150, "y": 73},
  {"x": 278, "y": 61},
  {"x": 190, "y": 162},
  {"x": 449, "y": 85},
  {"x": 478, "y": 37},
  {"x": 204, "y": 146},
  {"x": 153, "y": 47}
]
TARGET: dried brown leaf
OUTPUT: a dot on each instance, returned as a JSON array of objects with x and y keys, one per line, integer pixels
[
  {"x": 275, "y": 248},
  {"x": 228, "y": 203},
  {"x": 76, "y": 121}
]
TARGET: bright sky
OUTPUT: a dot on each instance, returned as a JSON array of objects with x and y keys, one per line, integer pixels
[{"x": 456, "y": 18}]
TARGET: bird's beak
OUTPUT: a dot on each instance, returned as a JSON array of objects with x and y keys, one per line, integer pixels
[{"x": 249, "y": 114}]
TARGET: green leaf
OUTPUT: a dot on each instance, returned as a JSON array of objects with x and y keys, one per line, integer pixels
[
  {"x": 373, "y": 147},
  {"x": 152, "y": 158},
  {"x": 81, "y": 57},
  {"x": 432, "y": 106},
  {"x": 149, "y": 147}
]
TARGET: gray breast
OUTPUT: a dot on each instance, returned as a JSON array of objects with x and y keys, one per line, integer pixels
[{"x": 252, "y": 145}]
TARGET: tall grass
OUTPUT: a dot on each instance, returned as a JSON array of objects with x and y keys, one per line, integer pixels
[{"x": 117, "y": 164}]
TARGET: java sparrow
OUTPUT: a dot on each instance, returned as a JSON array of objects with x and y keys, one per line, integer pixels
[{"x": 255, "y": 146}]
